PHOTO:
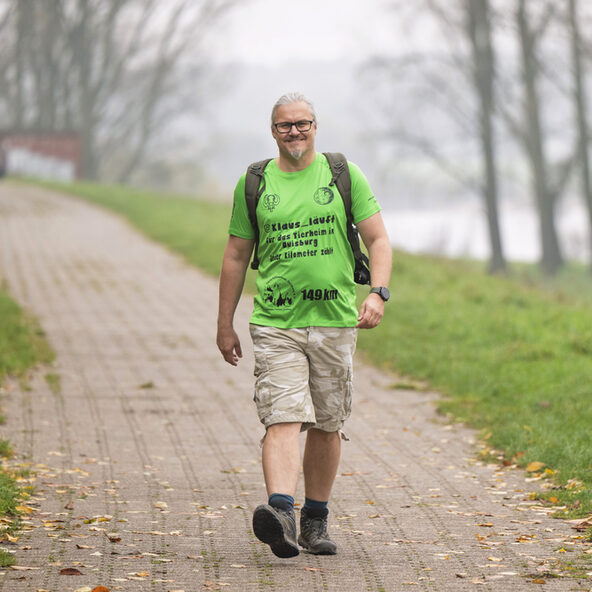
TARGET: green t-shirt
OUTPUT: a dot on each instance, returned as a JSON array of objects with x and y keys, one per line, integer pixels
[{"x": 306, "y": 263}]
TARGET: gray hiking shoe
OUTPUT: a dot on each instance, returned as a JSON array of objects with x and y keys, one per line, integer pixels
[
  {"x": 276, "y": 528},
  {"x": 313, "y": 535}
]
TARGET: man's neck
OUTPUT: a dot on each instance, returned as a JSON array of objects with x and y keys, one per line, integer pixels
[{"x": 289, "y": 164}]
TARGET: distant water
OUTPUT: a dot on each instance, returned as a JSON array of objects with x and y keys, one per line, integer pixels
[{"x": 460, "y": 230}]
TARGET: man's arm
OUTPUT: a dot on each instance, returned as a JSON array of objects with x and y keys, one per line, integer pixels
[
  {"x": 232, "y": 278},
  {"x": 376, "y": 239}
]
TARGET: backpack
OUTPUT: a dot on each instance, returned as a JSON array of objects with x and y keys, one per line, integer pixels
[{"x": 255, "y": 186}]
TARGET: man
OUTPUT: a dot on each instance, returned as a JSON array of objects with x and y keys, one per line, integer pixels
[{"x": 304, "y": 324}]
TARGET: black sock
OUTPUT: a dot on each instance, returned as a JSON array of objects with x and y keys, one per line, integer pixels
[
  {"x": 315, "y": 509},
  {"x": 281, "y": 501}
]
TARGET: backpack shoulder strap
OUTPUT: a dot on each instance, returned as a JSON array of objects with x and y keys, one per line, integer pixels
[
  {"x": 254, "y": 188},
  {"x": 342, "y": 180}
]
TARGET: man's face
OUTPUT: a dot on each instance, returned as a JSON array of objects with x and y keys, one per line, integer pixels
[{"x": 294, "y": 143}]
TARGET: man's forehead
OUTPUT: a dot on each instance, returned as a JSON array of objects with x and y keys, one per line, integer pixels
[{"x": 296, "y": 109}]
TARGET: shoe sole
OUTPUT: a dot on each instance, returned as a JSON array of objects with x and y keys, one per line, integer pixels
[
  {"x": 322, "y": 549},
  {"x": 269, "y": 530}
]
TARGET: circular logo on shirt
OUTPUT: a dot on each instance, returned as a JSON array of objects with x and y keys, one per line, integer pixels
[
  {"x": 323, "y": 196},
  {"x": 279, "y": 293},
  {"x": 270, "y": 201}
]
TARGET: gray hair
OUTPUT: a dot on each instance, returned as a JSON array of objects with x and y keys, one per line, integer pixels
[{"x": 293, "y": 97}]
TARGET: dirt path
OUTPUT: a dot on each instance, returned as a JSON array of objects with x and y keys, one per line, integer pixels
[{"x": 146, "y": 450}]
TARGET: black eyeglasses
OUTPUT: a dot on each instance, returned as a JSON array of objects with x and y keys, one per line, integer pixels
[{"x": 285, "y": 127}]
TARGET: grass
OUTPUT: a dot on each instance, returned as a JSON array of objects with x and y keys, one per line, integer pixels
[
  {"x": 511, "y": 355},
  {"x": 22, "y": 341},
  {"x": 511, "y": 359},
  {"x": 22, "y": 345}
]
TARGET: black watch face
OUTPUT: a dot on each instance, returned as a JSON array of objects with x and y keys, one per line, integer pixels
[{"x": 382, "y": 292}]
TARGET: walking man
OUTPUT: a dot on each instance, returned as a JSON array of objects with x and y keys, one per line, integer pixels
[{"x": 305, "y": 321}]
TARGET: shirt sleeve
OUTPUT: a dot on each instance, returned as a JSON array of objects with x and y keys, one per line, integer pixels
[
  {"x": 240, "y": 224},
  {"x": 364, "y": 203}
]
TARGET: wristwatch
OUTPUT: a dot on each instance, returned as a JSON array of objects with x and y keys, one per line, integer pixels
[{"x": 382, "y": 292}]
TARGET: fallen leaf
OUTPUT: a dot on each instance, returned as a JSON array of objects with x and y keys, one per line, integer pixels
[
  {"x": 23, "y": 568},
  {"x": 497, "y": 559},
  {"x": 25, "y": 509},
  {"x": 70, "y": 571},
  {"x": 534, "y": 466},
  {"x": 581, "y": 524},
  {"x": 100, "y": 589},
  {"x": 83, "y": 589},
  {"x": 140, "y": 574},
  {"x": 113, "y": 537},
  {"x": 312, "y": 569},
  {"x": 161, "y": 505},
  {"x": 539, "y": 581}
]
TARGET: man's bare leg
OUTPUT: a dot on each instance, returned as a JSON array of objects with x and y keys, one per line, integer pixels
[
  {"x": 281, "y": 458},
  {"x": 321, "y": 461},
  {"x": 274, "y": 523}
]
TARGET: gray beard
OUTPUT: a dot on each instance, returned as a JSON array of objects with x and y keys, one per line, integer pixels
[{"x": 296, "y": 154}]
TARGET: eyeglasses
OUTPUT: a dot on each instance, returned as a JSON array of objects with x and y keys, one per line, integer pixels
[{"x": 285, "y": 127}]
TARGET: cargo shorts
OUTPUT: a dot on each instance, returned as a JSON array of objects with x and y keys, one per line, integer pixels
[{"x": 304, "y": 375}]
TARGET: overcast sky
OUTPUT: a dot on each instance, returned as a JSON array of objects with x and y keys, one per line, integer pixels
[{"x": 275, "y": 31}]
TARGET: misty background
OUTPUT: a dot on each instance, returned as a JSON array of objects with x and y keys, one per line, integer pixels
[{"x": 469, "y": 117}]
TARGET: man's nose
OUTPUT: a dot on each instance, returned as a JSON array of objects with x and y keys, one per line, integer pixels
[{"x": 294, "y": 130}]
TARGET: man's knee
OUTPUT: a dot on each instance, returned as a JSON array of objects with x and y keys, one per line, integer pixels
[{"x": 283, "y": 430}]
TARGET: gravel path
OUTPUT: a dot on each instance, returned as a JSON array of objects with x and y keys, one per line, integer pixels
[{"x": 144, "y": 444}]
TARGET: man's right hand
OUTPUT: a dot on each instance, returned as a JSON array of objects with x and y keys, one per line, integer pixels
[{"x": 229, "y": 345}]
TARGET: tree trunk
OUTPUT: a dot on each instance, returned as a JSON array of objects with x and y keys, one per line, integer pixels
[
  {"x": 551, "y": 259},
  {"x": 581, "y": 114},
  {"x": 24, "y": 23},
  {"x": 86, "y": 98},
  {"x": 484, "y": 74}
]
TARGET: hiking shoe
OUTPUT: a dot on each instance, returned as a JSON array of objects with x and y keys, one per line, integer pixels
[
  {"x": 276, "y": 528},
  {"x": 313, "y": 535}
]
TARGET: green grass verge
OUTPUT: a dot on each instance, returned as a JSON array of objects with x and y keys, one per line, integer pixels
[
  {"x": 22, "y": 341},
  {"x": 22, "y": 345},
  {"x": 512, "y": 356}
]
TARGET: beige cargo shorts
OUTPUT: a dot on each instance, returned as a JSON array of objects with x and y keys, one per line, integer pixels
[{"x": 304, "y": 375}]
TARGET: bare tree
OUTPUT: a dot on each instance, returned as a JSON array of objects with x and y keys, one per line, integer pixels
[
  {"x": 107, "y": 68},
  {"x": 581, "y": 114},
  {"x": 460, "y": 84},
  {"x": 551, "y": 259},
  {"x": 479, "y": 29}
]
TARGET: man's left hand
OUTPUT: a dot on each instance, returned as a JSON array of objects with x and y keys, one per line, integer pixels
[{"x": 371, "y": 312}]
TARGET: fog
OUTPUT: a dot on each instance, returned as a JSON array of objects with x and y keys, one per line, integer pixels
[{"x": 178, "y": 96}]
